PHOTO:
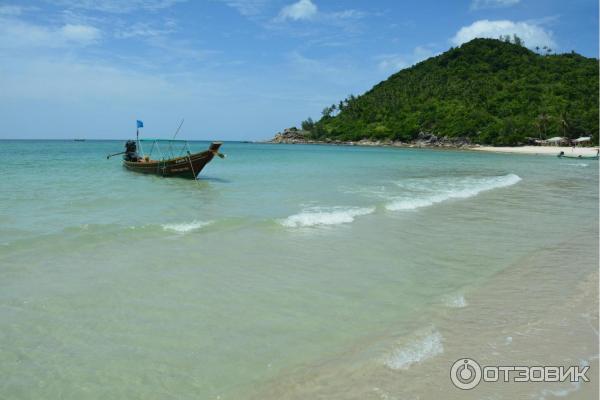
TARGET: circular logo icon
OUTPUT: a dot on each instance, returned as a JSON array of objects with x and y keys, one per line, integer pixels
[{"x": 465, "y": 373}]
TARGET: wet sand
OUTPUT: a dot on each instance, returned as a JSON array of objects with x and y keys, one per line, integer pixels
[{"x": 542, "y": 310}]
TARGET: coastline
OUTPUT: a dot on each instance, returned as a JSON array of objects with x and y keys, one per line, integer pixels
[
  {"x": 531, "y": 150},
  {"x": 541, "y": 150}
]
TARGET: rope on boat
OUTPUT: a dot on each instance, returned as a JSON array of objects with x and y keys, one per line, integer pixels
[
  {"x": 192, "y": 166},
  {"x": 189, "y": 155}
]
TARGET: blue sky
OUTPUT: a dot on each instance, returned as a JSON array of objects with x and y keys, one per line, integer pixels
[{"x": 235, "y": 69}]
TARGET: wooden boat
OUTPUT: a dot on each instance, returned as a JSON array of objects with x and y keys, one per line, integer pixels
[
  {"x": 579, "y": 157},
  {"x": 168, "y": 163}
]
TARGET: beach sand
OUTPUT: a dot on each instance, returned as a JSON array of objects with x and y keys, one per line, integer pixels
[{"x": 543, "y": 150}]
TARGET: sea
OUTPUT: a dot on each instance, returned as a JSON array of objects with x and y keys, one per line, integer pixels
[{"x": 293, "y": 272}]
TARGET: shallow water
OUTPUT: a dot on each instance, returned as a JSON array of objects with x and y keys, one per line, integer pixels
[{"x": 116, "y": 284}]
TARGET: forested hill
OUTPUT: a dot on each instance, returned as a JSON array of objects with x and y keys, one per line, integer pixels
[{"x": 487, "y": 90}]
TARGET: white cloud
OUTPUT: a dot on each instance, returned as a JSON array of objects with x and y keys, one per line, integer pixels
[
  {"x": 334, "y": 71},
  {"x": 9, "y": 9},
  {"x": 145, "y": 30},
  {"x": 480, "y": 4},
  {"x": 395, "y": 62},
  {"x": 247, "y": 8},
  {"x": 19, "y": 34},
  {"x": 68, "y": 78},
  {"x": 310, "y": 65},
  {"x": 303, "y": 9},
  {"x": 533, "y": 35},
  {"x": 347, "y": 14},
  {"x": 119, "y": 6},
  {"x": 392, "y": 62},
  {"x": 82, "y": 34}
]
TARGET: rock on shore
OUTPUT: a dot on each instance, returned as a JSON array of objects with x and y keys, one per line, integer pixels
[
  {"x": 291, "y": 135},
  {"x": 423, "y": 139}
]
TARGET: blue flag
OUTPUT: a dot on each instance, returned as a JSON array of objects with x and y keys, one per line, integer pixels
[{"x": 140, "y": 124}]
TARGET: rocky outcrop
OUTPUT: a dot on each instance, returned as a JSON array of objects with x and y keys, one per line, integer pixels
[
  {"x": 423, "y": 139},
  {"x": 291, "y": 135}
]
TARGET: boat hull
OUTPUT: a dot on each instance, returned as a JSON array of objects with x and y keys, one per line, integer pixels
[
  {"x": 579, "y": 157},
  {"x": 188, "y": 166}
]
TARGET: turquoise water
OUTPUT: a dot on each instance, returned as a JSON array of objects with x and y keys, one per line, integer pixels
[{"x": 121, "y": 285}]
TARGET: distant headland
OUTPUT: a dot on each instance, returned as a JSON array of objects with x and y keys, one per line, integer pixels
[{"x": 485, "y": 92}]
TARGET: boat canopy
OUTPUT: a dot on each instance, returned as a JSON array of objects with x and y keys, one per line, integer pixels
[
  {"x": 173, "y": 148},
  {"x": 164, "y": 140}
]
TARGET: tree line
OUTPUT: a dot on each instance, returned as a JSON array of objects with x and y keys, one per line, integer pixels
[{"x": 488, "y": 91}]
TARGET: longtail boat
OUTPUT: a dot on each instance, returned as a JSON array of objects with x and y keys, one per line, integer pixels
[
  {"x": 579, "y": 156},
  {"x": 168, "y": 162},
  {"x": 173, "y": 159}
]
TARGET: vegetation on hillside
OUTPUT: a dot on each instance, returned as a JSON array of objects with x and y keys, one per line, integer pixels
[{"x": 488, "y": 91}]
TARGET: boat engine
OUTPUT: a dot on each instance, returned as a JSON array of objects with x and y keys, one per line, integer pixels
[{"x": 131, "y": 151}]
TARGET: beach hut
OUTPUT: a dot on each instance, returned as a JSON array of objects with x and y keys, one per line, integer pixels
[
  {"x": 557, "y": 141},
  {"x": 582, "y": 140}
]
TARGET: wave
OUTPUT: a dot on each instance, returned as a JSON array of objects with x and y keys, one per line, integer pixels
[
  {"x": 319, "y": 216},
  {"x": 461, "y": 189},
  {"x": 566, "y": 390},
  {"x": 578, "y": 164},
  {"x": 186, "y": 227},
  {"x": 416, "y": 351},
  {"x": 457, "y": 301}
]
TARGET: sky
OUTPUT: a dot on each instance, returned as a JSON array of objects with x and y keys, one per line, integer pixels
[{"x": 235, "y": 69}]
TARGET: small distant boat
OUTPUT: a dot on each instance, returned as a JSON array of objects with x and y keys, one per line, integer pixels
[
  {"x": 79, "y": 140},
  {"x": 580, "y": 156}
]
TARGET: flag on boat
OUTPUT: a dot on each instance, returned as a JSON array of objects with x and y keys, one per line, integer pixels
[{"x": 140, "y": 124}]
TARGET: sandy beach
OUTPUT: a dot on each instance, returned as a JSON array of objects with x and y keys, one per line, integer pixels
[{"x": 543, "y": 150}]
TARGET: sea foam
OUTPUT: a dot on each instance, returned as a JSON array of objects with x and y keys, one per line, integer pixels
[
  {"x": 186, "y": 227},
  {"x": 565, "y": 390},
  {"x": 417, "y": 350},
  {"x": 583, "y": 165},
  {"x": 461, "y": 189},
  {"x": 456, "y": 301},
  {"x": 320, "y": 216}
]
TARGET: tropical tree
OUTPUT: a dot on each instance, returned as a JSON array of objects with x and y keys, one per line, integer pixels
[
  {"x": 542, "y": 123},
  {"x": 308, "y": 124}
]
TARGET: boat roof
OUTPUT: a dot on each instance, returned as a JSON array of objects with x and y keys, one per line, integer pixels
[{"x": 163, "y": 140}]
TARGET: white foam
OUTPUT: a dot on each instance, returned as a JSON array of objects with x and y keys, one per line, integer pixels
[
  {"x": 465, "y": 188},
  {"x": 564, "y": 391},
  {"x": 319, "y": 216},
  {"x": 561, "y": 392},
  {"x": 185, "y": 227},
  {"x": 416, "y": 351},
  {"x": 457, "y": 301},
  {"x": 578, "y": 164}
]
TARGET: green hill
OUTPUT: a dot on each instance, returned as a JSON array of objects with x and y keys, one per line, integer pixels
[{"x": 489, "y": 91}]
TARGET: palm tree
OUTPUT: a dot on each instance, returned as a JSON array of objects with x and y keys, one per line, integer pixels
[
  {"x": 542, "y": 124},
  {"x": 564, "y": 123}
]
